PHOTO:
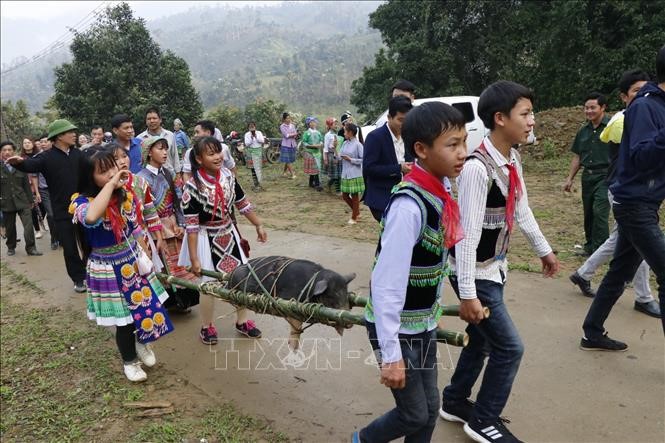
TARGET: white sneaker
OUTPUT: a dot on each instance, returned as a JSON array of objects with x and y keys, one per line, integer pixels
[
  {"x": 351, "y": 222},
  {"x": 146, "y": 354},
  {"x": 134, "y": 372},
  {"x": 39, "y": 234}
]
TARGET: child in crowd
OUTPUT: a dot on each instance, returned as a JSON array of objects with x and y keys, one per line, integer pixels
[
  {"x": 167, "y": 204},
  {"x": 287, "y": 152},
  {"x": 352, "y": 185},
  {"x": 312, "y": 140},
  {"x": 254, "y": 141},
  {"x": 109, "y": 234},
  {"x": 139, "y": 187},
  {"x": 492, "y": 197},
  {"x": 419, "y": 225},
  {"x": 213, "y": 241},
  {"x": 331, "y": 161}
]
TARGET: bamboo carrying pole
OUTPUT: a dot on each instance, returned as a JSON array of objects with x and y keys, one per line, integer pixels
[
  {"x": 356, "y": 300},
  {"x": 306, "y": 312}
]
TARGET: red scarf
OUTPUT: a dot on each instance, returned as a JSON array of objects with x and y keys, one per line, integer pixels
[
  {"x": 514, "y": 191},
  {"x": 116, "y": 219},
  {"x": 219, "y": 192},
  {"x": 450, "y": 217},
  {"x": 514, "y": 194},
  {"x": 137, "y": 202}
]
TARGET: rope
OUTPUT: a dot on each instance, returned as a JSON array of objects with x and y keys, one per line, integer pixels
[
  {"x": 308, "y": 311},
  {"x": 277, "y": 274}
]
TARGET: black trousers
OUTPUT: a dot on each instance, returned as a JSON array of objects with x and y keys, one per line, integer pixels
[
  {"x": 9, "y": 220},
  {"x": 73, "y": 262},
  {"x": 377, "y": 214},
  {"x": 124, "y": 338}
]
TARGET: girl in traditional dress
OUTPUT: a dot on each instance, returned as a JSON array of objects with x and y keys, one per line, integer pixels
[
  {"x": 152, "y": 225},
  {"x": 254, "y": 148},
  {"x": 120, "y": 292},
  {"x": 312, "y": 140},
  {"x": 352, "y": 171},
  {"x": 167, "y": 204},
  {"x": 331, "y": 161},
  {"x": 287, "y": 153},
  {"x": 213, "y": 241}
]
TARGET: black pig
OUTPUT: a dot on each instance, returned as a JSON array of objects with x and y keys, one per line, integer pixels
[{"x": 289, "y": 278}]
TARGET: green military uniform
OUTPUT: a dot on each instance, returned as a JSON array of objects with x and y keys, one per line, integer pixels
[
  {"x": 594, "y": 158},
  {"x": 16, "y": 198}
]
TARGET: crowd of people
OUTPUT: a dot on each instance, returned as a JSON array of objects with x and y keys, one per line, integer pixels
[{"x": 126, "y": 209}]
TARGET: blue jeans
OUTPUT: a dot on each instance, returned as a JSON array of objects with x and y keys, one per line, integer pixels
[
  {"x": 417, "y": 405},
  {"x": 640, "y": 237},
  {"x": 496, "y": 337}
]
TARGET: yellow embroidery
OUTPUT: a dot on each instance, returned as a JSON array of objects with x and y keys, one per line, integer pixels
[
  {"x": 159, "y": 319},
  {"x": 127, "y": 270},
  {"x": 137, "y": 297},
  {"x": 147, "y": 324}
]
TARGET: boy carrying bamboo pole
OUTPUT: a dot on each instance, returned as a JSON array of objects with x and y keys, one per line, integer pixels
[{"x": 419, "y": 226}]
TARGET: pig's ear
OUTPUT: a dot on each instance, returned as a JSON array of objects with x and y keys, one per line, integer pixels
[
  {"x": 320, "y": 287},
  {"x": 349, "y": 277}
]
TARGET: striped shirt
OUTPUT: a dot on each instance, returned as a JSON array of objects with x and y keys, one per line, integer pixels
[{"x": 472, "y": 198}]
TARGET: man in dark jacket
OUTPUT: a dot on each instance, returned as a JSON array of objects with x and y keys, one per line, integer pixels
[
  {"x": 639, "y": 191},
  {"x": 60, "y": 167},
  {"x": 384, "y": 159},
  {"x": 16, "y": 199}
]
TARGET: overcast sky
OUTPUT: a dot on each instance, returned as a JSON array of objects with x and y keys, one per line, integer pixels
[{"x": 28, "y": 27}]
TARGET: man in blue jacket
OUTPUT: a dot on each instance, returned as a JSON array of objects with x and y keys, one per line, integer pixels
[
  {"x": 639, "y": 191},
  {"x": 384, "y": 159}
]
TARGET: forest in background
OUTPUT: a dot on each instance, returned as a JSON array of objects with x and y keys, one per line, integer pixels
[{"x": 303, "y": 55}]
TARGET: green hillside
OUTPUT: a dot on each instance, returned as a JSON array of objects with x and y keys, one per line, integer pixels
[{"x": 302, "y": 54}]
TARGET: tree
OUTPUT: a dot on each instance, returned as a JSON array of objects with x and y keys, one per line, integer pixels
[
  {"x": 562, "y": 50},
  {"x": 16, "y": 123},
  {"x": 267, "y": 115},
  {"x": 227, "y": 118},
  {"x": 118, "y": 68}
]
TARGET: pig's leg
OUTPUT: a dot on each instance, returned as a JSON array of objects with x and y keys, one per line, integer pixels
[{"x": 294, "y": 335}]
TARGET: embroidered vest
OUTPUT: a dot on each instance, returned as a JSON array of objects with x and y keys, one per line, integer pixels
[
  {"x": 422, "y": 307},
  {"x": 495, "y": 238}
]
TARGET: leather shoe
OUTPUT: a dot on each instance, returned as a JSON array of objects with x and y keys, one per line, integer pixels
[
  {"x": 650, "y": 308},
  {"x": 54, "y": 246},
  {"x": 11, "y": 251},
  {"x": 33, "y": 252},
  {"x": 584, "y": 285}
]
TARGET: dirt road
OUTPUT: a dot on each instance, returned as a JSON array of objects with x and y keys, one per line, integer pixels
[{"x": 561, "y": 394}]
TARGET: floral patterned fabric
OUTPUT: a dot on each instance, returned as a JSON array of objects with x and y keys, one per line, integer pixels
[
  {"x": 117, "y": 294},
  {"x": 198, "y": 204}
]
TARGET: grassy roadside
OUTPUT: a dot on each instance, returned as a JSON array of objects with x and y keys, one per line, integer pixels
[
  {"x": 61, "y": 380},
  {"x": 291, "y": 205}
]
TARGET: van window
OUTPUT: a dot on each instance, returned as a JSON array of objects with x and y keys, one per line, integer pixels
[{"x": 467, "y": 111}]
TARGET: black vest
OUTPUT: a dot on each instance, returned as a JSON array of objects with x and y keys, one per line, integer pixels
[
  {"x": 428, "y": 262},
  {"x": 495, "y": 238}
]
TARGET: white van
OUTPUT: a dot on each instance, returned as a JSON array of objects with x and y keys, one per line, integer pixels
[{"x": 467, "y": 104}]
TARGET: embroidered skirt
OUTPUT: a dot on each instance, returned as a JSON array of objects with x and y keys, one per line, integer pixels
[
  {"x": 118, "y": 295},
  {"x": 254, "y": 158},
  {"x": 218, "y": 250},
  {"x": 311, "y": 159},
  {"x": 334, "y": 167},
  {"x": 287, "y": 154},
  {"x": 353, "y": 185}
]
